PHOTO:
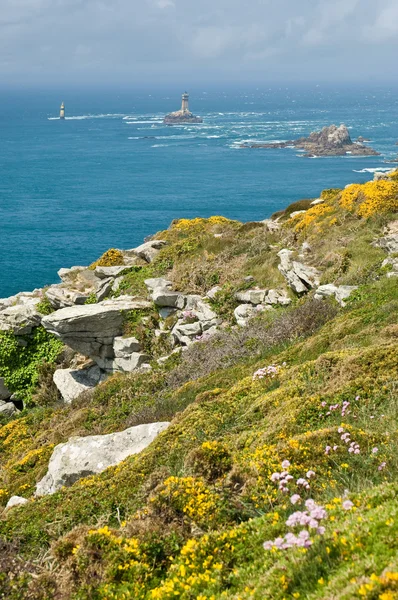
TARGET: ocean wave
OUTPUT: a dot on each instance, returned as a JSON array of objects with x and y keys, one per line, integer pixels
[
  {"x": 373, "y": 170},
  {"x": 84, "y": 117},
  {"x": 160, "y": 146},
  {"x": 143, "y": 122}
]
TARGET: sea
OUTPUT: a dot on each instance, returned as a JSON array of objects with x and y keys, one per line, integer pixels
[{"x": 112, "y": 173}]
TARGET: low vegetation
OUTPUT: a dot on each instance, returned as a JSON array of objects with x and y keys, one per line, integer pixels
[{"x": 277, "y": 478}]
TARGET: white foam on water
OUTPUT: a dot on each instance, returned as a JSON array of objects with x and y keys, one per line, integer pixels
[
  {"x": 143, "y": 122},
  {"x": 160, "y": 146},
  {"x": 373, "y": 170}
]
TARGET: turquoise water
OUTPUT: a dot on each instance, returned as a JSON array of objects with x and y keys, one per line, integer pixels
[{"x": 112, "y": 173}]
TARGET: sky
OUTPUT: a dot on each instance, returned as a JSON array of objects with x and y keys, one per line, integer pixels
[{"x": 171, "y": 41}]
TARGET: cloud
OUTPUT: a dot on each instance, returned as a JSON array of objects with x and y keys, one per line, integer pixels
[{"x": 210, "y": 40}]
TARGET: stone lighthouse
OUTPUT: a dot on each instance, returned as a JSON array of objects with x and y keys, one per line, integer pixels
[
  {"x": 184, "y": 105},
  {"x": 62, "y": 111},
  {"x": 183, "y": 115}
]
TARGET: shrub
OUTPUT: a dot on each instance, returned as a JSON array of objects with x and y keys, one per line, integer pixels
[
  {"x": 227, "y": 348},
  {"x": 371, "y": 198},
  {"x": 20, "y": 365},
  {"x": 211, "y": 460},
  {"x": 110, "y": 258}
]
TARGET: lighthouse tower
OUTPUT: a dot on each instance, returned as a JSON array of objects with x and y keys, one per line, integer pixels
[
  {"x": 62, "y": 111},
  {"x": 184, "y": 105}
]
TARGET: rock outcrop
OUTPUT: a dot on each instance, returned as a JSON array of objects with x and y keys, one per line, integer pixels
[
  {"x": 20, "y": 319},
  {"x": 340, "y": 292},
  {"x": 73, "y": 382},
  {"x": 330, "y": 141},
  {"x": 92, "y": 328},
  {"x": 84, "y": 456},
  {"x": 300, "y": 277}
]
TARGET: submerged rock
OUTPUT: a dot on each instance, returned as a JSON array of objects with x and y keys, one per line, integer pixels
[{"x": 84, "y": 456}]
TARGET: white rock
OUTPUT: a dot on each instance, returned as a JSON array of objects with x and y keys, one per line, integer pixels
[
  {"x": 19, "y": 319},
  {"x": 8, "y": 409},
  {"x": 300, "y": 277},
  {"x": 243, "y": 313},
  {"x": 277, "y": 297},
  {"x": 214, "y": 290},
  {"x": 16, "y": 501},
  {"x": 168, "y": 298},
  {"x": 147, "y": 251},
  {"x": 129, "y": 364},
  {"x": 251, "y": 296},
  {"x": 185, "y": 333},
  {"x": 124, "y": 346},
  {"x": 317, "y": 201},
  {"x": 297, "y": 212},
  {"x": 91, "y": 329},
  {"x": 73, "y": 382},
  {"x": 65, "y": 274},
  {"x": 341, "y": 292},
  {"x": 106, "y": 272},
  {"x": 83, "y": 456},
  {"x": 158, "y": 283},
  {"x": 62, "y": 297}
]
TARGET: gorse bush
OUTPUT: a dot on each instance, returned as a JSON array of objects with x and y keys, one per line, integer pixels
[
  {"x": 371, "y": 198},
  {"x": 277, "y": 477},
  {"x": 110, "y": 258}
]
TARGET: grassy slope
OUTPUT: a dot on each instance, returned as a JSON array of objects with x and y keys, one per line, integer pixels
[{"x": 189, "y": 515}]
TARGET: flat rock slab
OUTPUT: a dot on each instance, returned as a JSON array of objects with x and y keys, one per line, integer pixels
[
  {"x": 91, "y": 329},
  {"x": 84, "y": 456},
  {"x": 19, "y": 319},
  {"x": 73, "y": 382}
]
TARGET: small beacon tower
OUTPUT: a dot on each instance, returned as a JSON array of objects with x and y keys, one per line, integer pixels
[
  {"x": 184, "y": 105},
  {"x": 62, "y": 111}
]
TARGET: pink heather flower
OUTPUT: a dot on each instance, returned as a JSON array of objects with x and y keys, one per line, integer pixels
[
  {"x": 295, "y": 498},
  {"x": 321, "y": 530},
  {"x": 327, "y": 449},
  {"x": 335, "y": 448},
  {"x": 375, "y": 450},
  {"x": 310, "y": 474},
  {"x": 382, "y": 466},
  {"x": 302, "y": 482},
  {"x": 357, "y": 398},
  {"x": 347, "y": 505},
  {"x": 323, "y": 404},
  {"x": 357, "y": 451},
  {"x": 268, "y": 545},
  {"x": 351, "y": 450},
  {"x": 341, "y": 430},
  {"x": 278, "y": 543},
  {"x": 275, "y": 476},
  {"x": 310, "y": 504},
  {"x": 318, "y": 512},
  {"x": 285, "y": 464}
]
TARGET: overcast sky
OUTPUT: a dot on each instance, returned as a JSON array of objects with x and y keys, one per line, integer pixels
[{"x": 149, "y": 41}]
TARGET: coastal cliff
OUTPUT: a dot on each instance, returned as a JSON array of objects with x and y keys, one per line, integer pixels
[{"x": 211, "y": 414}]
